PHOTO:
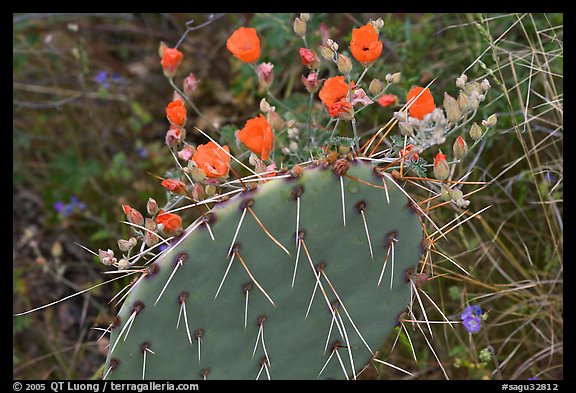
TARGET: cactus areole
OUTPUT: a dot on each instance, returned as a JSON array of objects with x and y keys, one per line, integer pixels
[{"x": 303, "y": 277}]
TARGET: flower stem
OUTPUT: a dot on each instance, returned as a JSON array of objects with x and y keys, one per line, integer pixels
[
  {"x": 356, "y": 139},
  {"x": 308, "y": 129},
  {"x": 194, "y": 108}
]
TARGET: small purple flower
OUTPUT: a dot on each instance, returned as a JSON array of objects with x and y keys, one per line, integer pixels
[
  {"x": 534, "y": 378},
  {"x": 472, "y": 324},
  {"x": 471, "y": 311},
  {"x": 142, "y": 152},
  {"x": 59, "y": 206},
  {"x": 549, "y": 176},
  {"x": 163, "y": 247},
  {"x": 101, "y": 78},
  {"x": 116, "y": 77},
  {"x": 77, "y": 203}
]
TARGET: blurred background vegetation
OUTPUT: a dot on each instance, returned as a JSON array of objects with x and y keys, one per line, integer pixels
[{"x": 88, "y": 130}]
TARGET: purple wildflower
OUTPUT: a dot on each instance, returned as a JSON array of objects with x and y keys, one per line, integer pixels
[
  {"x": 59, "y": 206},
  {"x": 101, "y": 78},
  {"x": 472, "y": 324},
  {"x": 471, "y": 311},
  {"x": 534, "y": 378}
]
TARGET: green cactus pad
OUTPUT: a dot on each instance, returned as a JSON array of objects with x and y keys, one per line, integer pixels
[{"x": 279, "y": 340}]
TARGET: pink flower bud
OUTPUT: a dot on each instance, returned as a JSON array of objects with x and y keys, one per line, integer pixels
[
  {"x": 152, "y": 206},
  {"x": 311, "y": 82},
  {"x": 106, "y": 257},
  {"x": 187, "y": 152},
  {"x": 173, "y": 137},
  {"x": 275, "y": 120},
  {"x": 309, "y": 58},
  {"x": 265, "y": 73},
  {"x": 190, "y": 84},
  {"x": 359, "y": 96}
]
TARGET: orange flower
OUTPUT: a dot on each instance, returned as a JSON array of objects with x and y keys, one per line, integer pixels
[
  {"x": 342, "y": 109},
  {"x": 171, "y": 59},
  {"x": 176, "y": 113},
  {"x": 334, "y": 90},
  {"x": 364, "y": 45},
  {"x": 244, "y": 44},
  {"x": 423, "y": 104},
  {"x": 212, "y": 159},
  {"x": 258, "y": 136},
  {"x": 172, "y": 222},
  {"x": 176, "y": 186},
  {"x": 133, "y": 215},
  {"x": 387, "y": 100}
]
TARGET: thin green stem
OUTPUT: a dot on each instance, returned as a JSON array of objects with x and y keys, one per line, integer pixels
[{"x": 309, "y": 117}]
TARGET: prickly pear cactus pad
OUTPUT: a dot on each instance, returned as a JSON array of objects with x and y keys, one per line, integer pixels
[{"x": 303, "y": 277}]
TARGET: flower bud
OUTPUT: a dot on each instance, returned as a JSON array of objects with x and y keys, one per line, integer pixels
[
  {"x": 264, "y": 106},
  {"x": 161, "y": 48},
  {"x": 190, "y": 84},
  {"x": 305, "y": 16},
  {"x": 332, "y": 44},
  {"x": 473, "y": 101},
  {"x": 375, "y": 87},
  {"x": 299, "y": 27},
  {"x": 124, "y": 245},
  {"x": 265, "y": 73},
  {"x": 106, "y": 257},
  {"x": 173, "y": 137},
  {"x": 401, "y": 116},
  {"x": 463, "y": 101},
  {"x": 461, "y": 81},
  {"x": 198, "y": 192},
  {"x": 452, "y": 108},
  {"x": 150, "y": 239},
  {"x": 491, "y": 121},
  {"x": 309, "y": 58},
  {"x": 198, "y": 175},
  {"x": 311, "y": 82},
  {"x": 475, "y": 132},
  {"x": 326, "y": 53},
  {"x": 457, "y": 194},
  {"x": 344, "y": 64},
  {"x": 405, "y": 128},
  {"x": 393, "y": 78},
  {"x": 132, "y": 215},
  {"x": 152, "y": 206},
  {"x": 290, "y": 124},
  {"x": 187, "y": 152},
  {"x": 359, "y": 96},
  {"x": 378, "y": 24},
  {"x": 441, "y": 167},
  {"x": 275, "y": 120},
  {"x": 176, "y": 186},
  {"x": 445, "y": 193},
  {"x": 460, "y": 148},
  {"x": 485, "y": 85},
  {"x": 462, "y": 203},
  {"x": 472, "y": 87},
  {"x": 210, "y": 190},
  {"x": 123, "y": 264}
]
